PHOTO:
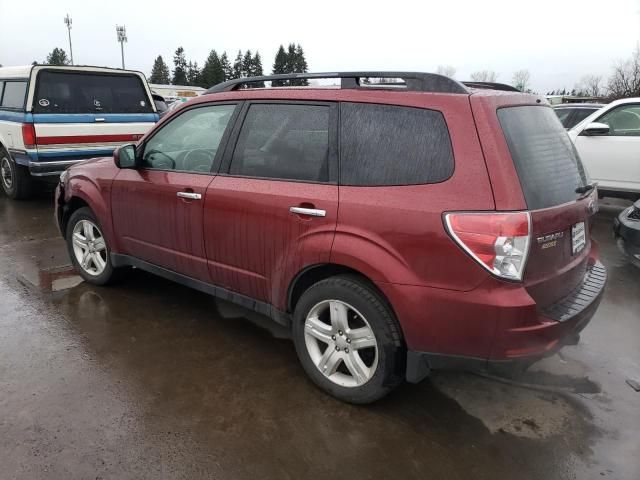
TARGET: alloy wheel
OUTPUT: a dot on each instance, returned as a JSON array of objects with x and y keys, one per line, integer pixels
[
  {"x": 6, "y": 173},
  {"x": 89, "y": 247},
  {"x": 341, "y": 343}
]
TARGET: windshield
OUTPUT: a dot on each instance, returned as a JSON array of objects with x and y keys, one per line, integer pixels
[
  {"x": 548, "y": 165},
  {"x": 79, "y": 92}
]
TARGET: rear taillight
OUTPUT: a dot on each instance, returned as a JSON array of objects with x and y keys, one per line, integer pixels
[
  {"x": 497, "y": 241},
  {"x": 28, "y": 135}
]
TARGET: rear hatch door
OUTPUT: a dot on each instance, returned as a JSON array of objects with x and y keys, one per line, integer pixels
[
  {"x": 546, "y": 177},
  {"x": 81, "y": 114}
]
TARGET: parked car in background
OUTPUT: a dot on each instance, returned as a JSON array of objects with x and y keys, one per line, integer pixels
[
  {"x": 389, "y": 263},
  {"x": 161, "y": 105},
  {"x": 53, "y": 116},
  {"x": 570, "y": 114},
  {"x": 608, "y": 142},
  {"x": 627, "y": 231}
]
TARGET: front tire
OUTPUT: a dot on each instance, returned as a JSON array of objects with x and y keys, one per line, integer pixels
[
  {"x": 15, "y": 179},
  {"x": 88, "y": 248},
  {"x": 348, "y": 340}
]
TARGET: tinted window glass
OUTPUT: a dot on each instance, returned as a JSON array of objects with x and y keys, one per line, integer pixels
[
  {"x": 623, "y": 121},
  {"x": 581, "y": 114},
  {"x": 389, "y": 145},
  {"x": 14, "y": 93},
  {"x": 564, "y": 114},
  {"x": 70, "y": 92},
  {"x": 1, "y": 89},
  {"x": 190, "y": 141},
  {"x": 547, "y": 163},
  {"x": 284, "y": 141}
]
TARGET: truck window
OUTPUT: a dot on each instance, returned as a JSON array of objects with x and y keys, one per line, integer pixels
[{"x": 79, "y": 92}]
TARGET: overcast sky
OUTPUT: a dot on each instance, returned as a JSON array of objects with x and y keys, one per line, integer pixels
[{"x": 558, "y": 41}]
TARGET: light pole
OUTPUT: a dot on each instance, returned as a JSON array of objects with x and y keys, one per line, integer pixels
[
  {"x": 67, "y": 21},
  {"x": 121, "y": 31}
]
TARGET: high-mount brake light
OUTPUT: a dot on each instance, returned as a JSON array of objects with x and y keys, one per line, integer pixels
[
  {"x": 29, "y": 135},
  {"x": 499, "y": 241}
]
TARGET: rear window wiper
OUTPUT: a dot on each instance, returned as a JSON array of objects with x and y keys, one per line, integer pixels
[{"x": 586, "y": 188}]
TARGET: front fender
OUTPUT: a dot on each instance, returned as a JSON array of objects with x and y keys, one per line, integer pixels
[{"x": 96, "y": 194}]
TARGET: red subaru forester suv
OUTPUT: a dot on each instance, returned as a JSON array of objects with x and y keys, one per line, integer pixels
[{"x": 400, "y": 223}]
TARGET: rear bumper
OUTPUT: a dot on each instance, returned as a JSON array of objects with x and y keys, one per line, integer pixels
[
  {"x": 52, "y": 168},
  {"x": 496, "y": 327}
]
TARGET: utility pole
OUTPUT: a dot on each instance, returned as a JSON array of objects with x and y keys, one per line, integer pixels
[
  {"x": 121, "y": 32},
  {"x": 67, "y": 21}
]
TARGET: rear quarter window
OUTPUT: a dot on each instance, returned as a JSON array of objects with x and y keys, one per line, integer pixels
[
  {"x": 79, "y": 92},
  {"x": 14, "y": 94},
  {"x": 392, "y": 145},
  {"x": 546, "y": 160}
]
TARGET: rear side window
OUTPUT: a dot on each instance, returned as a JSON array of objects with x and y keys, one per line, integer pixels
[
  {"x": 284, "y": 141},
  {"x": 14, "y": 94},
  {"x": 73, "y": 92},
  {"x": 547, "y": 163},
  {"x": 390, "y": 145}
]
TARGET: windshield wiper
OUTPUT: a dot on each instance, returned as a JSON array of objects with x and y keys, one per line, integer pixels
[{"x": 586, "y": 188}]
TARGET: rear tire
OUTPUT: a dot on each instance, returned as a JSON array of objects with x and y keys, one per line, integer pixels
[
  {"x": 88, "y": 248},
  {"x": 348, "y": 340},
  {"x": 15, "y": 179}
]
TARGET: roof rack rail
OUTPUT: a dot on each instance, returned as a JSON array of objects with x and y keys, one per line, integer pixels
[
  {"x": 413, "y": 81},
  {"x": 491, "y": 86}
]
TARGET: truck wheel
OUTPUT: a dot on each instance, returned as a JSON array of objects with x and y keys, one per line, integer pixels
[
  {"x": 348, "y": 340},
  {"x": 16, "y": 179},
  {"x": 88, "y": 248}
]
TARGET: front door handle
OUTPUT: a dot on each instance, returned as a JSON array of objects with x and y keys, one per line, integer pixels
[
  {"x": 189, "y": 195},
  {"x": 312, "y": 212}
]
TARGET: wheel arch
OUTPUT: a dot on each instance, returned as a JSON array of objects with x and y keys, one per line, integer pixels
[
  {"x": 315, "y": 273},
  {"x": 74, "y": 203},
  {"x": 82, "y": 192}
]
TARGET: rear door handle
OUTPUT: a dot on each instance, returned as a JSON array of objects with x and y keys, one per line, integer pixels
[
  {"x": 312, "y": 212},
  {"x": 189, "y": 195}
]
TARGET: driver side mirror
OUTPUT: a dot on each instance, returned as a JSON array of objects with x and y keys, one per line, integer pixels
[
  {"x": 595, "y": 129},
  {"x": 125, "y": 156}
]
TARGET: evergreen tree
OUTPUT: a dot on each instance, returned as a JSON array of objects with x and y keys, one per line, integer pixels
[
  {"x": 300, "y": 64},
  {"x": 212, "y": 72},
  {"x": 159, "y": 72},
  {"x": 57, "y": 57},
  {"x": 180, "y": 68},
  {"x": 290, "y": 63},
  {"x": 193, "y": 74},
  {"x": 226, "y": 66},
  {"x": 237, "y": 66},
  {"x": 256, "y": 69},
  {"x": 279, "y": 66},
  {"x": 247, "y": 64}
]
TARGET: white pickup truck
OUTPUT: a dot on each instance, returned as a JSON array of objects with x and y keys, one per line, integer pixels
[
  {"x": 608, "y": 142},
  {"x": 54, "y": 116}
]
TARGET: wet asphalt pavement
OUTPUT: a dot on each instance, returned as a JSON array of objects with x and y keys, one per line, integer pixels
[{"x": 149, "y": 379}]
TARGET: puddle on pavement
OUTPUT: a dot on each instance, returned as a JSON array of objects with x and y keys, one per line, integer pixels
[
  {"x": 44, "y": 265},
  {"x": 51, "y": 280}
]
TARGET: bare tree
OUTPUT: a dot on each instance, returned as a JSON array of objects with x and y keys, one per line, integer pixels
[
  {"x": 625, "y": 80},
  {"x": 446, "y": 70},
  {"x": 592, "y": 85},
  {"x": 521, "y": 80},
  {"x": 484, "y": 76}
]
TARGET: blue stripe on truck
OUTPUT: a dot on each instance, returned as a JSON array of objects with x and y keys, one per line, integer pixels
[
  {"x": 90, "y": 117},
  {"x": 12, "y": 116}
]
